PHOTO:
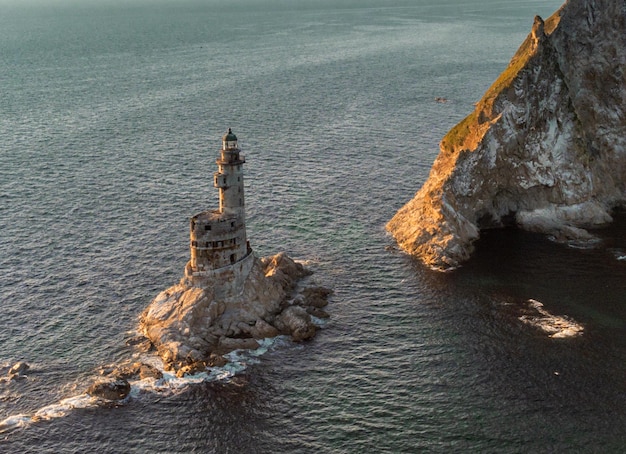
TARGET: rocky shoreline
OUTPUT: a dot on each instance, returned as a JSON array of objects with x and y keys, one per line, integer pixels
[{"x": 191, "y": 326}]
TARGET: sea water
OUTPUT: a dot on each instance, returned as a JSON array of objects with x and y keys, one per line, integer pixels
[{"x": 111, "y": 115}]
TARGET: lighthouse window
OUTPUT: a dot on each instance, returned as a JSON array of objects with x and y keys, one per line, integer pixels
[
  {"x": 207, "y": 227},
  {"x": 232, "y": 224}
]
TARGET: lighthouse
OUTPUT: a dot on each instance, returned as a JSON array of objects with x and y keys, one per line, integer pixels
[
  {"x": 229, "y": 177},
  {"x": 218, "y": 237}
]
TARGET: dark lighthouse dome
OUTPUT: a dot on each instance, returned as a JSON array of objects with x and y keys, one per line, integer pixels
[
  {"x": 229, "y": 136},
  {"x": 229, "y": 141}
]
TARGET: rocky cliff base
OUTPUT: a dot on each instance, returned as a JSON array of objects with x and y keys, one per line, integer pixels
[
  {"x": 193, "y": 323},
  {"x": 545, "y": 148}
]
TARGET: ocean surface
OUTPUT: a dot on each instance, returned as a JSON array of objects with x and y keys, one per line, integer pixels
[{"x": 111, "y": 114}]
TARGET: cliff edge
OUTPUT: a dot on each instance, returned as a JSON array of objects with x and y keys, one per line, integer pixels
[{"x": 544, "y": 149}]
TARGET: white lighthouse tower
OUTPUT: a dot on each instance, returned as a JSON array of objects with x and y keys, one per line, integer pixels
[
  {"x": 218, "y": 237},
  {"x": 229, "y": 177}
]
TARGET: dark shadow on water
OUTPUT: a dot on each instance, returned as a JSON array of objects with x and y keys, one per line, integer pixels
[{"x": 566, "y": 391}]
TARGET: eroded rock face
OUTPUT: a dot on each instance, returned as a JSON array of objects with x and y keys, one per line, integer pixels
[
  {"x": 198, "y": 318},
  {"x": 545, "y": 147}
]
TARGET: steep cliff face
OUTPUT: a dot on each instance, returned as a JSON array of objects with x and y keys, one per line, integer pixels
[{"x": 545, "y": 147}]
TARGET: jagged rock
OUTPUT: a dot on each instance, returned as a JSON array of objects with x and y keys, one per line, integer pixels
[
  {"x": 262, "y": 330},
  {"x": 216, "y": 360},
  {"x": 316, "y": 296},
  {"x": 148, "y": 371},
  {"x": 545, "y": 147},
  {"x": 297, "y": 322},
  {"x": 190, "y": 369},
  {"x": 129, "y": 370},
  {"x": 124, "y": 371},
  {"x": 17, "y": 370},
  {"x": 110, "y": 389},
  {"x": 283, "y": 270},
  {"x": 140, "y": 343}
]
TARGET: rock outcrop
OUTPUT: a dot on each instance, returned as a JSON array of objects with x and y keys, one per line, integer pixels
[
  {"x": 195, "y": 321},
  {"x": 544, "y": 149},
  {"x": 110, "y": 389},
  {"x": 18, "y": 369}
]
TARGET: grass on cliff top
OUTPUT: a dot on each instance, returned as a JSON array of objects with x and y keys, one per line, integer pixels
[{"x": 458, "y": 135}]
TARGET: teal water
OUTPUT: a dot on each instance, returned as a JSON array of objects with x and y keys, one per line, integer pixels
[{"x": 110, "y": 119}]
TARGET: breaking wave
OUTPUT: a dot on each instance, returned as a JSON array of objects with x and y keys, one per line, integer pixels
[{"x": 169, "y": 384}]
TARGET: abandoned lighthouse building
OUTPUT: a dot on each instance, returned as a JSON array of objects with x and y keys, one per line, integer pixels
[
  {"x": 229, "y": 299},
  {"x": 218, "y": 239}
]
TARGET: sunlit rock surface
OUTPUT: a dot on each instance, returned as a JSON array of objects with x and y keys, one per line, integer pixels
[
  {"x": 198, "y": 319},
  {"x": 544, "y": 149}
]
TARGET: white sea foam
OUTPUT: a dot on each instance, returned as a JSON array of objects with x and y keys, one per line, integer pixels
[
  {"x": 555, "y": 326},
  {"x": 14, "y": 422},
  {"x": 169, "y": 384},
  {"x": 238, "y": 361},
  {"x": 319, "y": 322},
  {"x": 619, "y": 254},
  {"x": 64, "y": 406},
  {"x": 57, "y": 410}
]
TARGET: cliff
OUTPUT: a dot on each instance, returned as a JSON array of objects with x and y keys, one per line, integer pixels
[
  {"x": 195, "y": 321},
  {"x": 544, "y": 149}
]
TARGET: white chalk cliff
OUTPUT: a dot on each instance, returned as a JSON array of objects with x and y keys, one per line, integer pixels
[{"x": 545, "y": 147}]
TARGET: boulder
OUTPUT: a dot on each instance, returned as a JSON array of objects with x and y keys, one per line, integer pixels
[
  {"x": 318, "y": 313},
  {"x": 262, "y": 330},
  {"x": 316, "y": 296},
  {"x": 192, "y": 368},
  {"x": 110, "y": 389},
  {"x": 148, "y": 371},
  {"x": 18, "y": 369},
  {"x": 283, "y": 270},
  {"x": 296, "y": 322},
  {"x": 216, "y": 360},
  {"x": 229, "y": 344}
]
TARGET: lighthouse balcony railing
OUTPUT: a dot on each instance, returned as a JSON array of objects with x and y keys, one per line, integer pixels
[{"x": 240, "y": 160}]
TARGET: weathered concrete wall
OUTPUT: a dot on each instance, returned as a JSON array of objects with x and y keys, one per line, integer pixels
[{"x": 216, "y": 240}]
